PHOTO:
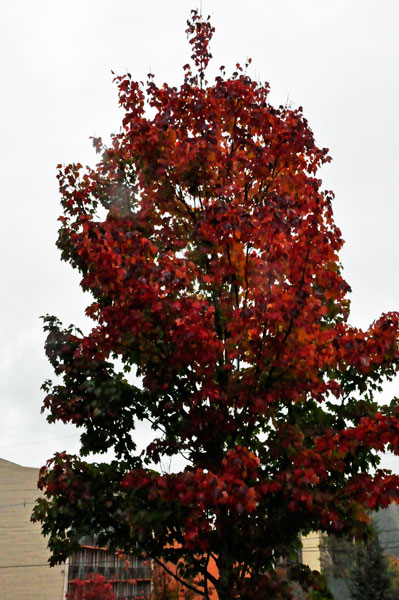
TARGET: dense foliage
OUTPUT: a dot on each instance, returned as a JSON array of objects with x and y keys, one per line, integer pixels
[
  {"x": 95, "y": 587},
  {"x": 211, "y": 253}
]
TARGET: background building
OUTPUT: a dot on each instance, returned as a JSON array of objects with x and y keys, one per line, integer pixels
[
  {"x": 24, "y": 570},
  {"x": 311, "y": 550},
  {"x": 130, "y": 576}
]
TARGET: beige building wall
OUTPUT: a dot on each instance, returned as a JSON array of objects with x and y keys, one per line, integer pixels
[
  {"x": 311, "y": 550},
  {"x": 24, "y": 572}
]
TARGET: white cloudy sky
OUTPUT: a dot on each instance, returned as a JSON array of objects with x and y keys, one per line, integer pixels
[{"x": 336, "y": 58}]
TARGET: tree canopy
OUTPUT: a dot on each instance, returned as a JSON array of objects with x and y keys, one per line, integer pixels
[{"x": 210, "y": 250}]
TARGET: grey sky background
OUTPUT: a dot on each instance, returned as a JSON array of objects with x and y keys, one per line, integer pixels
[{"x": 338, "y": 59}]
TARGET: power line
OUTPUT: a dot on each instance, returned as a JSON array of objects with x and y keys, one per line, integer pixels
[
  {"x": 18, "y": 504},
  {"x": 92, "y": 565},
  {"x": 40, "y": 441},
  {"x": 322, "y": 536},
  {"x": 23, "y": 566}
]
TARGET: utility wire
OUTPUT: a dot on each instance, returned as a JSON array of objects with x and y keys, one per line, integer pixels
[
  {"x": 23, "y": 566},
  {"x": 325, "y": 537},
  {"x": 40, "y": 441},
  {"x": 92, "y": 565},
  {"x": 18, "y": 504}
]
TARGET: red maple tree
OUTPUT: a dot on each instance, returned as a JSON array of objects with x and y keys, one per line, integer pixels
[
  {"x": 95, "y": 587},
  {"x": 211, "y": 253}
]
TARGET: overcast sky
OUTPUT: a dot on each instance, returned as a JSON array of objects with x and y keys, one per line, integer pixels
[{"x": 337, "y": 58}]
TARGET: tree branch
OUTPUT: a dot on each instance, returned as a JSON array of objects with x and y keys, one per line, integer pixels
[{"x": 175, "y": 576}]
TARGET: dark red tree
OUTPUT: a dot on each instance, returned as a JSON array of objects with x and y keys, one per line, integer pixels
[{"x": 211, "y": 253}]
